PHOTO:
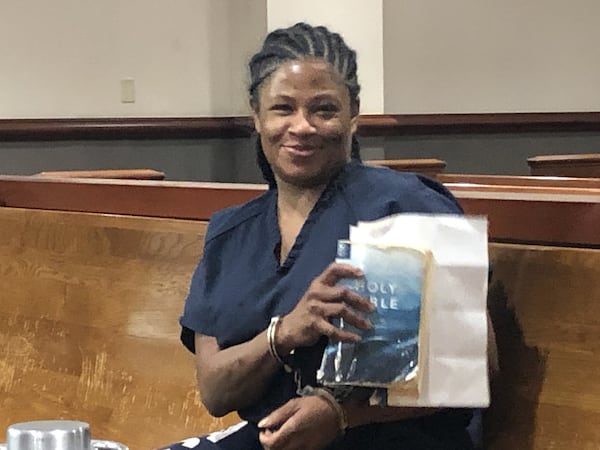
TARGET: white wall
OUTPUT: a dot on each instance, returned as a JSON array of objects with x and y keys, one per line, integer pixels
[
  {"x": 491, "y": 56},
  {"x": 360, "y": 22},
  {"x": 65, "y": 58}
]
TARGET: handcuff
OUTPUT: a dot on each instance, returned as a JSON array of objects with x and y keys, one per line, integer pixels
[{"x": 304, "y": 391}]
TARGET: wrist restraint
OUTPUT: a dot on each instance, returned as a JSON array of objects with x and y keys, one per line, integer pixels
[
  {"x": 324, "y": 393},
  {"x": 307, "y": 390}
]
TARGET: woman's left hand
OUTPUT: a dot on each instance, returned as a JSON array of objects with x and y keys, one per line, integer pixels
[{"x": 303, "y": 423}]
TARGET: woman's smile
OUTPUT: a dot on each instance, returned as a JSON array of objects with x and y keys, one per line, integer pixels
[
  {"x": 300, "y": 150},
  {"x": 305, "y": 122}
]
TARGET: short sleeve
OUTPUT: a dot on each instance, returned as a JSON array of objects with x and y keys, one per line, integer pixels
[
  {"x": 199, "y": 311},
  {"x": 442, "y": 199},
  {"x": 424, "y": 195}
]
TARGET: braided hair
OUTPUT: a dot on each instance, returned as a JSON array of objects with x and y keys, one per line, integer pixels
[{"x": 293, "y": 43}]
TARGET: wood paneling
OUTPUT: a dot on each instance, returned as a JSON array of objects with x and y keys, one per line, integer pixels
[
  {"x": 544, "y": 303},
  {"x": 121, "y": 174},
  {"x": 90, "y": 302},
  {"x": 519, "y": 181},
  {"x": 544, "y": 214},
  {"x": 89, "y": 324},
  {"x": 569, "y": 223},
  {"x": 557, "y": 211},
  {"x": 429, "y": 167},
  {"x": 235, "y": 127},
  {"x": 125, "y": 128},
  {"x": 181, "y": 200},
  {"x": 578, "y": 165}
]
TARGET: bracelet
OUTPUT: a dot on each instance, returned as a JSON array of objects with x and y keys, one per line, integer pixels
[
  {"x": 324, "y": 393},
  {"x": 271, "y": 330}
]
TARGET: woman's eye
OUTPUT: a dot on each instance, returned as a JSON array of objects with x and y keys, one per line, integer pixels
[
  {"x": 281, "y": 108},
  {"x": 327, "y": 110}
]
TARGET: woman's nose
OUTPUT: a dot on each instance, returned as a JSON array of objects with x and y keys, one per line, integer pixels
[{"x": 301, "y": 123}]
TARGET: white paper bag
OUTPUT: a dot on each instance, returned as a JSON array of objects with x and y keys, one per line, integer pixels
[{"x": 455, "y": 370}]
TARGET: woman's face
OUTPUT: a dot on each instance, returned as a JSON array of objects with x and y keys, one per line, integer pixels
[{"x": 305, "y": 122}]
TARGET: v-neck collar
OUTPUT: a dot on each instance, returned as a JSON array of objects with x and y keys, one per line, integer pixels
[{"x": 317, "y": 210}]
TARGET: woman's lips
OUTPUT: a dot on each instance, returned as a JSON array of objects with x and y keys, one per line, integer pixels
[{"x": 300, "y": 150}]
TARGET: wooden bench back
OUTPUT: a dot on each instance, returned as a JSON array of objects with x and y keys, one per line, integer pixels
[
  {"x": 574, "y": 165},
  {"x": 519, "y": 209},
  {"x": 545, "y": 305},
  {"x": 90, "y": 302},
  {"x": 430, "y": 167},
  {"x": 124, "y": 174},
  {"x": 89, "y": 324}
]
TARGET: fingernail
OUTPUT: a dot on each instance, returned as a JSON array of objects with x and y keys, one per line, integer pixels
[{"x": 263, "y": 423}]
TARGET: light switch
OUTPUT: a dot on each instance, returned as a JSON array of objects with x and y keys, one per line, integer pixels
[{"x": 127, "y": 90}]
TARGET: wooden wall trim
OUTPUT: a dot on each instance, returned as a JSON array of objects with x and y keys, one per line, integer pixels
[
  {"x": 124, "y": 128},
  {"x": 391, "y": 125},
  {"x": 236, "y": 127},
  {"x": 566, "y": 216}
]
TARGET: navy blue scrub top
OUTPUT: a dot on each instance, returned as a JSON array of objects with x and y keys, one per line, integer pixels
[{"x": 239, "y": 284}]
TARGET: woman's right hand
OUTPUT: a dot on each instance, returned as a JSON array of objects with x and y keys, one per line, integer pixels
[{"x": 322, "y": 301}]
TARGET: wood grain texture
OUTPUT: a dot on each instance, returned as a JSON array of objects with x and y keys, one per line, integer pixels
[
  {"x": 88, "y": 331},
  {"x": 124, "y": 174},
  {"x": 371, "y": 125},
  {"x": 545, "y": 304},
  {"x": 511, "y": 180},
  {"x": 532, "y": 210},
  {"x": 169, "y": 199},
  {"x": 563, "y": 213},
  {"x": 89, "y": 324},
  {"x": 576, "y": 165},
  {"x": 429, "y": 167}
]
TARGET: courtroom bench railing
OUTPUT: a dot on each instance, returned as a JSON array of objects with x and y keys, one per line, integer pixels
[
  {"x": 570, "y": 165},
  {"x": 516, "y": 212},
  {"x": 90, "y": 324}
]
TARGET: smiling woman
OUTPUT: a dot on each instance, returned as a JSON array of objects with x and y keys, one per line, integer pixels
[
  {"x": 260, "y": 305},
  {"x": 305, "y": 120},
  {"x": 320, "y": 60}
]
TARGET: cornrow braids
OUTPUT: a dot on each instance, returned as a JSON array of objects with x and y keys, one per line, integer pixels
[
  {"x": 296, "y": 42},
  {"x": 303, "y": 41}
]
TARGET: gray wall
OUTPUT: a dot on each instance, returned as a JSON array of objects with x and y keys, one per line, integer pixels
[
  {"x": 232, "y": 160},
  {"x": 500, "y": 154},
  {"x": 199, "y": 160}
]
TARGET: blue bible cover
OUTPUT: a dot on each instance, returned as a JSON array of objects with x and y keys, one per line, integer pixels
[{"x": 395, "y": 280}]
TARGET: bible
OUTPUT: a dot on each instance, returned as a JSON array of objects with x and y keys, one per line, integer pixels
[{"x": 390, "y": 353}]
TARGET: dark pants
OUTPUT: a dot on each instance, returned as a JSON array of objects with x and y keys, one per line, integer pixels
[{"x": 431, "y": 434}]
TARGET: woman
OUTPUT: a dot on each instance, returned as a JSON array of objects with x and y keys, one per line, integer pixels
[{"x": 263, "y": 295}]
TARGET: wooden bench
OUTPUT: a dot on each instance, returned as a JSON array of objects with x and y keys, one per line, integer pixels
[
  {"x": 125, "y": 174},
  {"x": 545, "y": 302},
  {"x": 545, "y": 306},
  {"x": 91, "y": 297},
  {"x": 430, "y": 167},
  {"x": 575, "y": 165},
  {"x": 88, "y": 324},
  {"x": 532, "y": 210}
]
